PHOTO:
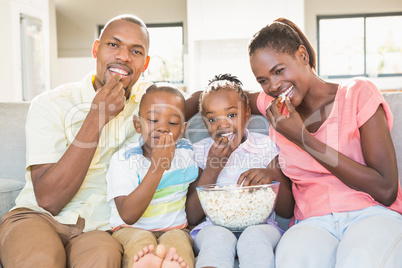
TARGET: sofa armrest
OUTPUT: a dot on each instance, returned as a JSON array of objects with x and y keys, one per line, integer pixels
[{"x": 9, "y": 190}]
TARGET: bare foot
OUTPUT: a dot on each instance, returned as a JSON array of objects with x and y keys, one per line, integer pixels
[
  {"x": 172, "y": 259},
  {"x": 161, "y": 259},
  {"x": 146, "y": 250}
]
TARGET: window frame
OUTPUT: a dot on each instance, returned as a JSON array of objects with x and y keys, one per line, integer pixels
[{"x": 364, "y": 16}]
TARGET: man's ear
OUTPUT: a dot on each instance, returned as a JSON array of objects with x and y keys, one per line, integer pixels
[
  {"x": 183, "y": 130},
  {"x": 137, "y": 123},
  {"x": 95, "y": 48},
  {"x": 248, "y": 113},
  {"x": 146, "y": 64}
]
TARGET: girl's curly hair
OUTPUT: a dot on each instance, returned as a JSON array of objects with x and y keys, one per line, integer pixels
[{"x": 224, "y": 81}]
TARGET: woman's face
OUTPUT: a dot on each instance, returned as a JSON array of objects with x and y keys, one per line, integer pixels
[{"x": 280, "y": 73}]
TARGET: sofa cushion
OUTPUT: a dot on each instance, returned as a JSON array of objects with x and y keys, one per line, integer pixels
[
  {"x": 12, "y": 135},
  {"x": 394, "y": 100},
  {"x": 9, "y": 190}
]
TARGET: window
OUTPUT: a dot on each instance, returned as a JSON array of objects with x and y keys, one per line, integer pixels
[
  {"x": 166, "y": 52},
  {"x": 33, "y": 62},
  {"x": 360, "y": 45}
]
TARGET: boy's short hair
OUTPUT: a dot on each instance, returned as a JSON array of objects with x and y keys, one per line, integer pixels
[
  {"x": 163, "y": 88},
  {"x": 224, "y": 81}
]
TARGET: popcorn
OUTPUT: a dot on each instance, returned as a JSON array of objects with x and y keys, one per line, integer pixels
[{"x": 235, "y": 207}]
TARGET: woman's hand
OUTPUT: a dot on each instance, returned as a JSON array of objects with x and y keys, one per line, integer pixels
[
  {"x": 285, "y": 202},
  {"x": 289, "y": 124},
  {"x": 255, "y": 176}
]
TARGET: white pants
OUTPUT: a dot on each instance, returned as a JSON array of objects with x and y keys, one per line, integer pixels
[
  {"x": 371, "y": 237},
  {"x": 217, "y": 246}
]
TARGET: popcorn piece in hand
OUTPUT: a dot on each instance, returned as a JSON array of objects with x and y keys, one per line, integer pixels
[{"x": 280, "y": 104}]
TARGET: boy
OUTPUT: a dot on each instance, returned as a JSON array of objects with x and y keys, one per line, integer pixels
[{"x": 148, "y": 182}]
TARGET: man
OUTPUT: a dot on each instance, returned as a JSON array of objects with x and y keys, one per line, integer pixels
[{"x": 61, "y": 216}]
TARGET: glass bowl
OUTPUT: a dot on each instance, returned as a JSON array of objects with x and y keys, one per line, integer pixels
[{"x": 237, "y": 207}]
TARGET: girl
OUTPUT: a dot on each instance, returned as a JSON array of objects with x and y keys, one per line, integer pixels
[
  {"x": 232, "y": 154},
  {"x": 336, "y": 143}
]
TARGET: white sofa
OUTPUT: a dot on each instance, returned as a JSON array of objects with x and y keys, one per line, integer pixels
[
  {"x": 12, "y": 144},
  {"x": 12, "y": 148}
]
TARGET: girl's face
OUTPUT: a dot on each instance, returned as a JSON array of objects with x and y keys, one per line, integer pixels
[
  {"x": 225, "y": 115},
  {"x": 280, "y": 73}
]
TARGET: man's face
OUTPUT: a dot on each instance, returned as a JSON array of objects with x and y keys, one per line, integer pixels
[{"x": 122, "y": 48}]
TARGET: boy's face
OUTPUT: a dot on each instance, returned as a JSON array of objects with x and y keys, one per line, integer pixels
[
  {"x": 160, "y": 112},
  {"x": 225, "y": 115}
]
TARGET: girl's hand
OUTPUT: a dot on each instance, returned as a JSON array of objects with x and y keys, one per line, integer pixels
[
  {"x": 256, "y": 176},
  {"x": 291, "y": 125},
  {"x": 163, "y": 154},
  {"x": 219, "y": 154}
]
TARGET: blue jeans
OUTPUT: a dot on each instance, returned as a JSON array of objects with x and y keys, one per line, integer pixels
[
  {"x": 217, "y": 246},
  {"x": 370, "y": 237}
]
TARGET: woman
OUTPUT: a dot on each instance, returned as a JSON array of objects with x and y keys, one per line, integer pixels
[{"x": 335, "y": 146}]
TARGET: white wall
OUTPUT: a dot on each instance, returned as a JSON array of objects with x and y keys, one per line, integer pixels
[
  {"x": 77, "y": 20},
  {"x": 6, "y": 57},
  {"x": 73, "y": 69},
  {"x": 77, "y": 23},
  {"x": 216, "y": 32},
  {"x": 10, "y": 58},
  {"x": 219, "y": 32}
]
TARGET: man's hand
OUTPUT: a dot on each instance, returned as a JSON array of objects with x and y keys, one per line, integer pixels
[
  {"x": 109, "y": 100},
  {"x": 66, "y": 176}
]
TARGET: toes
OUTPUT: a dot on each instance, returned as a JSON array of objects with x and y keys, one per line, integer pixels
[
  {"x": 141, "y": 254},
  {"x": 160, "y": 251},
  {"x": 146, "y": 250},
  {"x": 151, "y": 248},
  {"x": 171, "y": 254}
]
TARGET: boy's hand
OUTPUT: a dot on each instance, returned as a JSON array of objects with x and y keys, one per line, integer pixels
[
  {"x": 162, "y": 155},
  {"x": 256, "y": 176},
  {"x": 219, "y": 154}
]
